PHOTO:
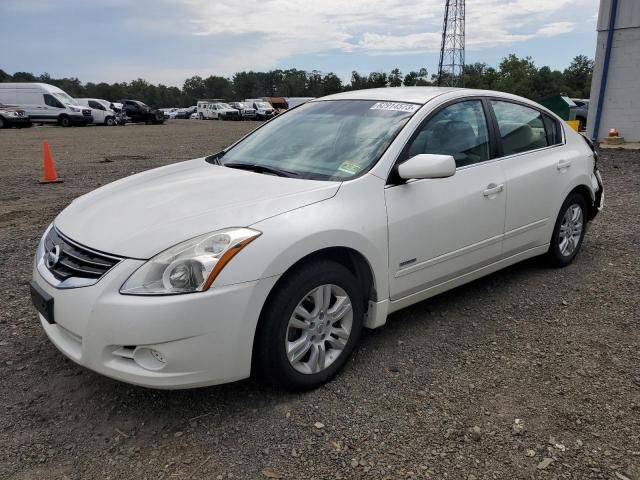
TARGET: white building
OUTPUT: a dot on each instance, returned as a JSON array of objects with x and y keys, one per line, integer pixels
[{"x": 617, "y": 69}]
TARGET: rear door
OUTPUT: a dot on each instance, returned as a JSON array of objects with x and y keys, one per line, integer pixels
[{"x": 535, "y": 163}]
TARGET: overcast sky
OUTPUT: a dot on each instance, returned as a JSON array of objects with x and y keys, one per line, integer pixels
[{"x": 166, "y": 41}]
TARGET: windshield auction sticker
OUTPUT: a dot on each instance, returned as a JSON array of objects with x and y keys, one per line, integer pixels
[
  {"x": 349, "y": 167},
  {"x": 395, "y": 107}
]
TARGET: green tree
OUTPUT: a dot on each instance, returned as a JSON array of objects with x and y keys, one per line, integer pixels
[
  {"x": 516, "y": 75},
  {"x": 331, "y": 83},
  {"x": 395, "y": 78},
  {"x": 419, "y": 78},
  {"x": 577, "y": 77}
]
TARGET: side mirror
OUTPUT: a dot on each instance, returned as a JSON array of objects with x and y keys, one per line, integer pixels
[{"x": 427, "y": 165}]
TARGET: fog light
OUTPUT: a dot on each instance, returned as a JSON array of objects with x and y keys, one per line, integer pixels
[{"x": 149, "y": 358}]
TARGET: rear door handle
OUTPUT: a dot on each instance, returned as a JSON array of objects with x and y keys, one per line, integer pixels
[
  {"x": 493, "y": 189},
  {"x": 562, "y": 164}
]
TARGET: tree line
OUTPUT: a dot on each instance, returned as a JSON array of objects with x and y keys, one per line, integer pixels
[{"x": 514, "y": 75}]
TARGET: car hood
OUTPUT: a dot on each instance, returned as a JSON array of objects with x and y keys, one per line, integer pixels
[{"x": 141, "y": 215}]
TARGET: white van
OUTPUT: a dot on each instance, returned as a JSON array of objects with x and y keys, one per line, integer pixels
[
  {"x": 45, "y": 103},
  {"x": 101, "y": 110}
]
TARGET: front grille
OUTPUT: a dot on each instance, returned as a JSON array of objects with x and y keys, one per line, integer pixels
[{"x": 75, "y": 260}]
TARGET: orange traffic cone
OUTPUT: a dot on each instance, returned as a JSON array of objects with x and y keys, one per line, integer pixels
[{"x": 50, "y": 175}]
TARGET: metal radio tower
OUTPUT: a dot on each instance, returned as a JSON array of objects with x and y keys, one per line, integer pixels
[{"x": 451, "y": 65}]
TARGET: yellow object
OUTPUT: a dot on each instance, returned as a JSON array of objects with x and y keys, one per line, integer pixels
[{"x": 575, "y": 124}]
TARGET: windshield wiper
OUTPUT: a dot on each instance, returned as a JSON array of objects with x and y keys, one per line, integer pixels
[{"x": 254, "y": 167}]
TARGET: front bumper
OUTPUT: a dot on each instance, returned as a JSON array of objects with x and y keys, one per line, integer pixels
[
  {"x": 17, "y": 121},
  {"x": 205, "y": 338}
]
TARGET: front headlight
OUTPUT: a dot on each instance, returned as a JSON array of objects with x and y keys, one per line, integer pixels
[{"x": 190, "y": 266}]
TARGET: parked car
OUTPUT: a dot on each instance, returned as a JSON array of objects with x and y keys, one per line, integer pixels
[
  {"x": 264, "y": 110},
  {"x": 138, "y": 112},
  {"x": 185, "y": 113},
  {"x": 205, "y": 109},
  {"x": 223, "y": 111},
  {"x": 101, "y": 110},
  {"x": 13, "y": 117},
  {"x": 271, "y": 255},
  {"x": 582, "y": 111},
  {"x": 247, "y": 112},
  {"x": 45, "y": 103}
]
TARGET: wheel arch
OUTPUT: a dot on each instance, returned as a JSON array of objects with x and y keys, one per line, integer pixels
[
  {"x": 352, "y": 259},
  {"x": 588, "y": 196}
]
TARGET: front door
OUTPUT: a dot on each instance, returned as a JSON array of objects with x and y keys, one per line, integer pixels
[{"x": 442, "y": 228}]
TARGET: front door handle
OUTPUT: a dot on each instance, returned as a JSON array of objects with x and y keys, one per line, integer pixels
[
  {"x": 562, "y": 164},
  {"x": 493, "y": 189}
]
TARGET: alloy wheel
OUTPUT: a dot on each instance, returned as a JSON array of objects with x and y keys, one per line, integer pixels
[
  {"x": 570, "y": 230},
  {"x": 319, "y": 329}
]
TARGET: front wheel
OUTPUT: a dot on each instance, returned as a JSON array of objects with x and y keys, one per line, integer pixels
[
  {"x": 65, "y": 121},
  {"x": 310, "y": 326},
  {"x": 110, "y": 121},
  {"x": 569, "y": 231}
]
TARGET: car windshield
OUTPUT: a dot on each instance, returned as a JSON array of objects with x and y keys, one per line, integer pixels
[
  {"x": 263, "y": 104},
  {"x": 65, "y": 99},
  {"x": 224, "y": 105},
  {"x": 324, "y": 140}
]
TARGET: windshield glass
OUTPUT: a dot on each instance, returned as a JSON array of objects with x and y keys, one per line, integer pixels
[
  {"x": 224, "y": 105},
  {"x": 326, "y": 140},
  {"x": 65, "y": 99},
  {"x": 263, "y": 104}
]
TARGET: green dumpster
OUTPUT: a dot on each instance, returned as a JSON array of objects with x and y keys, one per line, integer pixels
[{"x": 561, "y": 105}]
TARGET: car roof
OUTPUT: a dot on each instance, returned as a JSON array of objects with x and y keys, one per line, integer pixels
[
  {"x": 392, "y": 94},
  {"x": 422, "y": 95}
]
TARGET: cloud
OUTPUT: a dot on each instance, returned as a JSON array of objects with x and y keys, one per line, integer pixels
[
  {"x": 169, "y": 40},
  {"x": 556, "y": 28},
  {"x": 279, "y": 29}
]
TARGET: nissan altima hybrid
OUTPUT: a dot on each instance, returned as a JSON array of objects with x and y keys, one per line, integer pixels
[{"x": 269, "y": 257}]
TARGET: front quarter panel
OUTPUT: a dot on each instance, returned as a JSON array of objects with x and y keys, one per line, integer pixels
[{"x": 354, "y": 218}]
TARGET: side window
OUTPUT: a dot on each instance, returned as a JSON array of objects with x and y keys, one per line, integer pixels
[
  {"x": 554, "y": 132},
  {"x": 459, "y": 130},
  {"x": 96, "y": 105},
  {"x": 521, "y": 128},
  {"x": 51, "y": 101}
]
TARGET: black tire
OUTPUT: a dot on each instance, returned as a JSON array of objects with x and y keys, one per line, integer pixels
[
  {"x": 555, "y": 255},
  {"x": 269, "y": 358},
  {"x": 65, "y": 121},
  {"x": 109, "y": 121},
  {"x": 2, "y": 125}
]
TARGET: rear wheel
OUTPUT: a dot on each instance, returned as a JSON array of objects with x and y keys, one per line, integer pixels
[
  {"x": 569, "y": 231},
  {"x": 310, "y": 326}
]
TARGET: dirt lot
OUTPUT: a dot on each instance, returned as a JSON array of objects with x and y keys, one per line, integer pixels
[{"x": 484, "y": 382}]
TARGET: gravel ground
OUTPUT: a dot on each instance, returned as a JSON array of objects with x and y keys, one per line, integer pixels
[{"x": 528, "y": 373}]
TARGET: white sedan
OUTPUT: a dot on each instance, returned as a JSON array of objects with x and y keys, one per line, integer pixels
[{"x": 271, "y": 256}]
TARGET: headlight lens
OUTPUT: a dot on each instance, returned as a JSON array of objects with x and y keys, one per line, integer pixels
[{"x": 190, "y": 266}]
